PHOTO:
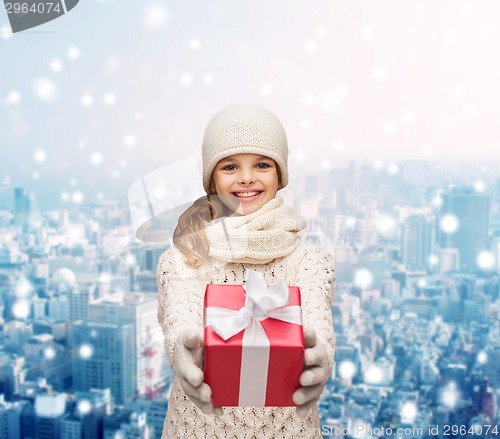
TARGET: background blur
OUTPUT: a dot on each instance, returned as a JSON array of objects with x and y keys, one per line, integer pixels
[
  {"x": 391, "y": 111},
  {"x": 104, "y": 94}
]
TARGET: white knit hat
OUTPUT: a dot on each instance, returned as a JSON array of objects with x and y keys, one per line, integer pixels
[{"x": 240, "y": 129}]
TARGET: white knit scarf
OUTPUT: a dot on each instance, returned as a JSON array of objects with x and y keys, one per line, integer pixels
[{"x": 257, "y": 238}]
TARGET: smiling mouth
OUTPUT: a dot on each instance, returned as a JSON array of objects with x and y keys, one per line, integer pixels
[{"x": 247, "y": 194}]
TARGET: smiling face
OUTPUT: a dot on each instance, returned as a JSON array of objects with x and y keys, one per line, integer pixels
[{"x": 245, "y": 182}]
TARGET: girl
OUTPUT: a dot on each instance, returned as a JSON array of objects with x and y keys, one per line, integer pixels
[{"x": 242, "y": 225}]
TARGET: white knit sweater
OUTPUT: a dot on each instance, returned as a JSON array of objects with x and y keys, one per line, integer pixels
[{"x": 180, "y": 306}]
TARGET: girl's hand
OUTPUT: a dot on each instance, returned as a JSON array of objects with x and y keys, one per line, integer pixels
[
  {"x": 315, "y": 374},
  {"x": 191, "y": 376}
]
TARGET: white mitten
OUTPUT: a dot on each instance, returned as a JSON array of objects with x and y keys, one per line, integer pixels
[
  {"x": 187, "y": 348},
  {"x": 315, "y": 374}
]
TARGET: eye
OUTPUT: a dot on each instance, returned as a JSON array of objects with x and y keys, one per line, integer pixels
[
  {"x": 262, "y": 165},
  {"x": 229, "y": 168}
]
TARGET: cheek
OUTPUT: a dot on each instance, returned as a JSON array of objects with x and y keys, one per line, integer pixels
[
  {"x": 221, "y": 182},
  {"x": 273, "y": 182}
]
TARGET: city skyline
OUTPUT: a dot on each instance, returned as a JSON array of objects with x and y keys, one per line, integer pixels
[
  {"x": 416, "y": 325},
  {"x": 391, "y": 113},
  {"x": 347, "y": 80}
]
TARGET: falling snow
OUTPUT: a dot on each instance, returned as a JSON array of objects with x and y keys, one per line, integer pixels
[
  {"x": 45, "y": 89},
  {"x": 85, "y": 351},
  {"x": 363, "y": 278},
  {"x": 73, "y": 53},
  {"x": 109, "y": 98},
  {"x": 84, "y": 406},
  {"x": 13, "y": 98},
  {"x": 450, "y": 396},
  {"x": 87, "y": 100},
  {"x": 408, "y": 412},
  {"x": 449, "y": 223},
  {"x": 156, "y": 17},
  {"x": 40, "y": 155},
  {"x": 130, "y": 140},
  {"x": 77, "y": 197},
  {"x": 347, "y": 370},
  {"x": 21, "y": 309},
  {"x": 56, "y": 65},
  {"x": 96, "y": 158},
  {"x": 486, "y": 260},
  {"x": 49, "y": 353}
]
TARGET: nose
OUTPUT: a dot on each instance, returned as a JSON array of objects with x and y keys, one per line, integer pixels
[{"x": 246, "y": 176}]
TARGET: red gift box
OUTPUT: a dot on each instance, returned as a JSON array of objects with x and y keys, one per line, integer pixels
[{"x": 246, "y": 369}]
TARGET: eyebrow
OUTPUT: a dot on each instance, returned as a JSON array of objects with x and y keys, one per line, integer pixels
[{"x": 232, "y": 159}]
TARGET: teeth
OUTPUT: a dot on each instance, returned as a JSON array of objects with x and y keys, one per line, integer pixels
[{"x": 246, "y": 194}]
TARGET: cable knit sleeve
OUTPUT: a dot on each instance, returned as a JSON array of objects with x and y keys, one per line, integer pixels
[
  {"x": 176, "y": 312},
  {"x": 316, "y": 276}
]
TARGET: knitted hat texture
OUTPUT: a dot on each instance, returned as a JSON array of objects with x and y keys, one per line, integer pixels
[{"x": 240, "y": 129}]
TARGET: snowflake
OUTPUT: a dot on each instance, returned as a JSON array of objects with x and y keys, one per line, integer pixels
[
  {"x": 45, "y": 89},
  {"x": 408, "y": 412},
  {"x": 13, "y": 98},
  {"x": 266, "y": 89},
  {"x": 450, "y": 395},
  {"x": 49, "y": 353},
  {"x": 87, "y": 100},
  {"x": 449, "y": 223},
  {"x": 85, "y": 351},
  {"x": 77, "y": 197},
  {"x": 486, "y": 260},
  {"x": 84, "y": 407},
  {"x": 130, "y": 140},
  {"x": 73, "y": 52},
  {"x": 96, "y": 158},
  {"x": 347, "y": 369},
  {"x": 21, "y": 309},
  {"x": 156, "y": 17},
  {"x": 187, "y": 79},
  {"x": 109, "y": 99},
  {"x": 208, "y": 79},
  {"x": 363, "y": 278},
  {"x": 40, "y": 155},
  {"x": 55, "y": 65},
  {"x": 194, "y": 44},
  {"x": 392, "y": 168},
  {"x": 482, "y": 357}
]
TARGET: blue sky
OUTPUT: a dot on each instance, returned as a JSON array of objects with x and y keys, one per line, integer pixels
[{"x": 113, "y": 90}]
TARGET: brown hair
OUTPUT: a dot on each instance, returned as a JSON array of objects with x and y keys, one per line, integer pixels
[{"x": 189, "y": 235}]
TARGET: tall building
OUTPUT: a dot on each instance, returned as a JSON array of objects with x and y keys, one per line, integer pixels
[
  {"x": 471, "y": 209},
  {"x": 49, "y": 411},
  {"x": 146, "y": 281},
  {"x": 12, "y": 374},
  {"x": 155, "y": 412},
  {"x": 104, "y": 356},
  {"x": 416, "y": 242},
  {"x": 449, "y": 260},
  {"x": 342, "y": 198},
  {"x": 79, "y": 299},
  {"x": 139, "y": 310},
  {"x": 86, "y": 421},
  {"x": 493, "y": 366},
  {"x": 7, "y": 197},
  {"x": 497, "y": 191},
  {"x": 10, "y": 418},
  {"x": 311, "y": 186},
  {"x": 22, "y": 206}
]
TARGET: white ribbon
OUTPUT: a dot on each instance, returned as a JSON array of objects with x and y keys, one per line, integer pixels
[{"x": 261, "y": 302}]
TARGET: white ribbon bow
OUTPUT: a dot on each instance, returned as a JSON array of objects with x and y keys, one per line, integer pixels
[{"x": 261, "y": 302}]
